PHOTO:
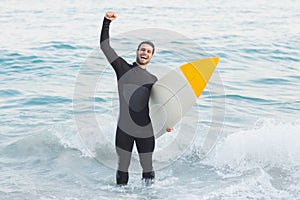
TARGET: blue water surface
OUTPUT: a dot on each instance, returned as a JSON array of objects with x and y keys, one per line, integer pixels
[{"x": 59, "y": 101}]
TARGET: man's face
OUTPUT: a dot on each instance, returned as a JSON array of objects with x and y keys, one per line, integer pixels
[{"x": 144, "y": 54}]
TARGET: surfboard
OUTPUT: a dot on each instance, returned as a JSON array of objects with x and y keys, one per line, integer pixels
[{"x": 176, "y": 92}]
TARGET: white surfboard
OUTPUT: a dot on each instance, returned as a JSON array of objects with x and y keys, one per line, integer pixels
[{"x": 176, "y": 92}]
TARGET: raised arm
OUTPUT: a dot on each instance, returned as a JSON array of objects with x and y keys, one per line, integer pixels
[
  {"x": 119, "y": 64},
  {"x": 108, "y": 51}
]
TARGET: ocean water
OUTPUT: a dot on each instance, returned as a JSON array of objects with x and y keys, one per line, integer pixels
[{"x": 59, "y": 102}]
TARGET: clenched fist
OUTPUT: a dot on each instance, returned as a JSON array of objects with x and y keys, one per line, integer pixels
[{"x": 110, "y": 15}]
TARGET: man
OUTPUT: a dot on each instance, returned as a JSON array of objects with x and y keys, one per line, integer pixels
[{"x": 134, "y": 123}]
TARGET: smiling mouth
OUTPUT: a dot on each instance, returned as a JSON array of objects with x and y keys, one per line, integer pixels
[{"x": 144, "y": 57}]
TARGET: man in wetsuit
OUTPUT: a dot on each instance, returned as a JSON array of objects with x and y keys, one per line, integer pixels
[{"x": 134, "y": 123}]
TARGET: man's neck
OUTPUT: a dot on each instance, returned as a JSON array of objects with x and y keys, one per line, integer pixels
[{"x": 141, "y": 66}]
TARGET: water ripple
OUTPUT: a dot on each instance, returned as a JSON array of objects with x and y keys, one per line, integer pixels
[
  {"x": 9, "y": 93},
  {"x": 46, "y": 100},
  {"x": 248, "y": 98},
  {"x": 272, "y": 81},
  {"x": 55, "y": 45}
]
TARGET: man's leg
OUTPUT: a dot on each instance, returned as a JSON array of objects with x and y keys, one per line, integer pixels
[
  {"x": 124, "y": 145},
  {"x": 145, "y": 147}
]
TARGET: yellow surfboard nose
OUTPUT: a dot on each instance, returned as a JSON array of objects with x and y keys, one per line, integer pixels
[{"x": 198, "y": 73}]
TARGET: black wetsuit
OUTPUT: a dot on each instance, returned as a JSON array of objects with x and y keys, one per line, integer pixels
[{"x": 134, "y": 124}]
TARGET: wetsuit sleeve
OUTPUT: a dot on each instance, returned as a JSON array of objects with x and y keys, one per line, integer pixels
[{"x": 116, "y": 62}]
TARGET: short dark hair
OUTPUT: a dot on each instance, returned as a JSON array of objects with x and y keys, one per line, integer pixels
[{"x": 147, "y": 42}]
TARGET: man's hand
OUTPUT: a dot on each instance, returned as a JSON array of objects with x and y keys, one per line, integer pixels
[
  {"x": 110, "y": 15},
  {"x": 169, "y": 129}
]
